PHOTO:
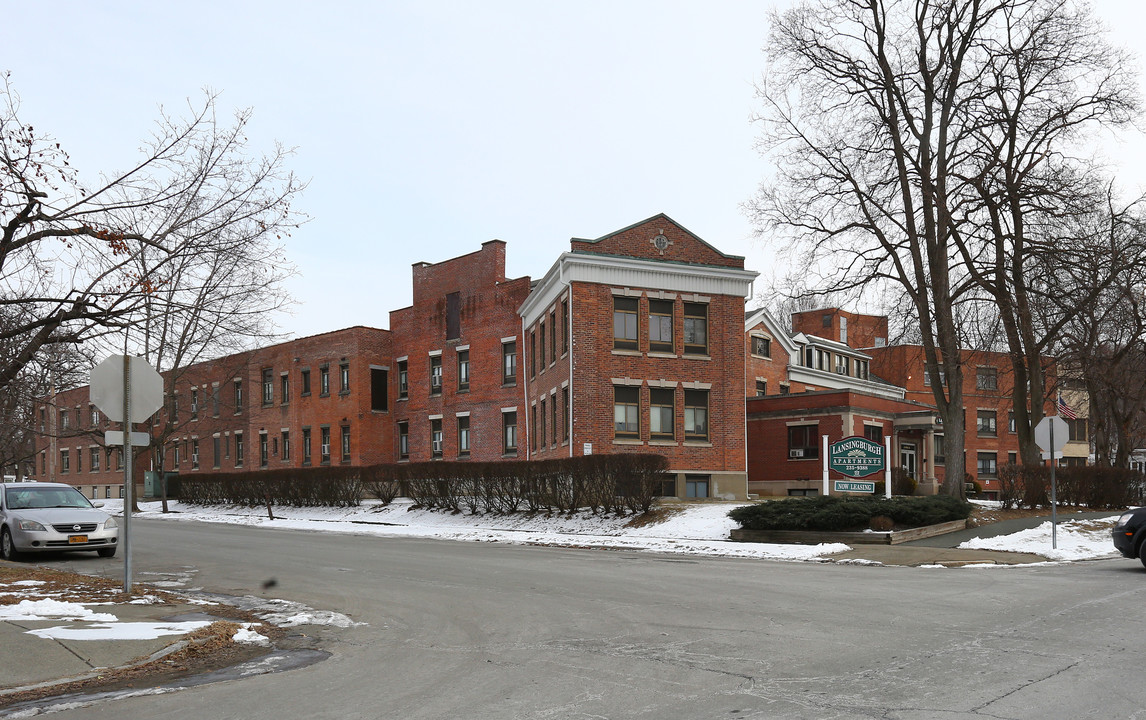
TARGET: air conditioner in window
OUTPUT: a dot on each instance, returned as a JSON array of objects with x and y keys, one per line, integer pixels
[{"x": 797, "y": 453}]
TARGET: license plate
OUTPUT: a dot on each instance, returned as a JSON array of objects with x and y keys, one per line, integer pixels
[{"x": 77, "y": 538}]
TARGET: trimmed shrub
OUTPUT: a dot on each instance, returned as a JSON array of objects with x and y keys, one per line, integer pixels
[{"x": 827, "y": 513}]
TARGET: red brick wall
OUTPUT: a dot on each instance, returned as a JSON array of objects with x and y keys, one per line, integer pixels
[
  {"x": 636, "y": 241},
  {"x": 863, "y": 330},
  {"x": 488, "y": 313},
  {"x": 596, "y": 364},
  {"x": 773, "y": 370}
]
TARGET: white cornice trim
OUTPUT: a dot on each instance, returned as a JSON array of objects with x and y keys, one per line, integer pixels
[
  {"x": 835, "y": 381},
  {"x": 635, "y": 273}
]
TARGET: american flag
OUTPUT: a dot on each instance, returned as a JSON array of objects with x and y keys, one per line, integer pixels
[{"x": 1065, "y": 411}]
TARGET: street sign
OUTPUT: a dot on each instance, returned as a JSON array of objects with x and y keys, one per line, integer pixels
[
  {"x": 115, "y": 437},
  {"x": 854, "y": 486},
  {"x": 1043, "y": 433},
  {"x": 107, "y": 389},
  {"x": 856, "y": 457}
]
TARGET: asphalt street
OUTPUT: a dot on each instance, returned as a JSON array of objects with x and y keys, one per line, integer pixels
[{"x": 473, "y": 630}]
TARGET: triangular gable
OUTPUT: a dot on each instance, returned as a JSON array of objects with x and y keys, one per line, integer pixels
[
  {"x": 762, "y": 319},
  {"x": 658, "y": 238}
]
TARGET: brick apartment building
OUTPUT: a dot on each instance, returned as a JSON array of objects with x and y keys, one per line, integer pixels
[{"x": 632, "y": 342}]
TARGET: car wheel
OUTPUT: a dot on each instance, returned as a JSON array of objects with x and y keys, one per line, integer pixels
[
  {"x": 7, "y": 547},
  {"x": 106, "y": 552},
  {"x": 1142, "y": 552}
]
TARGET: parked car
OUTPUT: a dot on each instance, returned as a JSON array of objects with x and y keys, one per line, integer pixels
[
  {"x": 1129, "y": 534},
  {"x": 50, "y": 517}
]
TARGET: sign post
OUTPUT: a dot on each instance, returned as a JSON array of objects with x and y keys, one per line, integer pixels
[
  {"x": 127, "y": 390},
  {"x": 1051, "y": 435}
]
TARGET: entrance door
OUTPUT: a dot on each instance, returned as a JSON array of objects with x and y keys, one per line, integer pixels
[{"x": 907, "y": 458}]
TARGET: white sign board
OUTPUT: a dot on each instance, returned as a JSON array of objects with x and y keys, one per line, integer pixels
[
  {"x": 587, "y": 448},
  {"x": 107, "y": 388},
  {"x": 115, "y": 437},
  {"x": 1043, "y": 432}
]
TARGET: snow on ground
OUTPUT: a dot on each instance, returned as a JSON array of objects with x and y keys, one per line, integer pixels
[
  {"x": 1076, "y": 540},
  {"x": 119, "y": 630},
  {"x": 698, "y": 529},
  {"x": 47, "y": 609}
]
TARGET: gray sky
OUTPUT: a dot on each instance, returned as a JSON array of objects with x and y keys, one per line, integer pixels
[{"x": 426, "y": 128}]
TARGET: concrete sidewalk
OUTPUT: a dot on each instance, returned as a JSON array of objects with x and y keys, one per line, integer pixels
[{"x": 32, "y": 661}]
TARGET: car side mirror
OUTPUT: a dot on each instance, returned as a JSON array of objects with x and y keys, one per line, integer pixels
[{"x": 97, "y": 504}]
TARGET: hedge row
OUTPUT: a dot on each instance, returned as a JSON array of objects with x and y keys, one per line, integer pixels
[
  {"x": 841, "y": 514},
  {"x": 602, "y": 483},
  {"x": 1094, "y": 486}
]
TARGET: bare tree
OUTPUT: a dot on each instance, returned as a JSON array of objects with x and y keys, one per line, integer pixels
[
  {"x": 919, "y": 144},
  {"x": 82, "y": 261}
]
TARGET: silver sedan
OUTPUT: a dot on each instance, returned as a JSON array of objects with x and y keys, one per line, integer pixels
[{"x": 50, "y": 517}]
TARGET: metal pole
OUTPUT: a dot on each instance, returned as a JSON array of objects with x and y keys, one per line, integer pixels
[
  {"x": 824, "y": 461},
  {"x": 127, "y": 480},
  {"x": 1054, "y": 498}
]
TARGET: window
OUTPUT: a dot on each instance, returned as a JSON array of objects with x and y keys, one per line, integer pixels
[
  {"x": 662, "y": 414},
  {"x": 324, "y": 444},
  {"x": 324, "y": 381},
  {"x": 761, "y": 388},
  {"x": 238, "y": 387},
  {"x": 661, "y": 326},
  {"x": 95, "y": 415},
  {"x": 553, "y": 411},
  {"x": 509, "y": 433},
  {"x": 986, "y": 423},
  {"x": 79, "y": 456},
  {"x": 194, "y": 454},
  {"x": 194, "y": 403},
  {"x": 345, "y": 444},
  {"x": 695, "y": 414},
  {"x": 624, "y": 323},
  {"x": 552, "y": 337},
  {"x": 564, "y": 327},
  {"x": 286, "y": 445},
  {"x": 940, "y": 458},
  {"x": 785, "y": 389},
  {"x": 403, "y": 380},
  {"x": 306, "y": 456},
  {"x": 541, "y": 347},
  {"x": 343, "y": 379},
  {"x": 42, "y": 420},
  {"x": 532, "y": 354},
  {"x": 843, "y": 365},
  {"x": 1077, "y": 428},
  {"x": 464, "y": 436},
  {"x": 64, "y": 419},
  {"x": 436, "y": 438},
  {"x": 823, "y": 360},
  {"x": 863, "y": 371},
  {"x": 403, "y": 441},
  {"x": 1012, "y": 428},
  {"x": 509, "y": 363},
  {"x": 803, "y": 442},
  {"x": 987, "y": 464},
  {"x": 761, "y": 346},
  {"x": 436, "y": 375},
  {"x": 695, "y": 329},
  {"x": 463, "y": 371},
  {"x": 565, "y": 414},
  {"x": 873, "y": 433},
  {"x": 379, "y": 390},
  {"x": 93, "y": 464},
  {"x": 217, "y": 449},
  {"x": 178, "y": 455},
  {"x": 533, "y": 427},
  {"x": 284, "y": 389},
  {"x": 264, "y": 450},
  {"x": 626, "y": 412},
  {"x": 986, "y": 378},
  {"x": 844, "y": 330},
  {"x": 453, "y": 316},
  {"x": 215, "y": 401},
  {"x": 175, "y": 407},
  {"x": 696, "y": 486},
  {"x": 238, "y": 449},
  {"x": 541, "y": 427},
  {"x": 306, "y": 382},
  {"x": 119, "y": 458},
  {"x": 1013, "y": 458},
  {"x": 942, "y": 377},
  {"x": 268, "y": 386}
]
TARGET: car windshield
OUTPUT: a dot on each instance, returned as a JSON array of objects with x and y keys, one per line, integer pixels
[{"x": 29, "y": 498}]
